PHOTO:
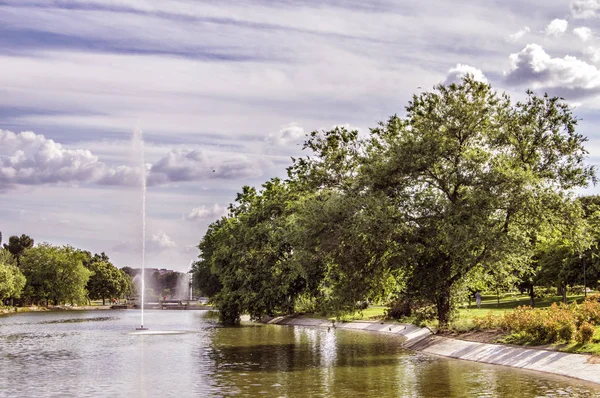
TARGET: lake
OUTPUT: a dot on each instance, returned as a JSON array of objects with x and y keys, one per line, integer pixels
[{"x": 94, "y": 354}]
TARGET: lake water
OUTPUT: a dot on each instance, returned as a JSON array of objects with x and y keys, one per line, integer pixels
[{"x": 93, "y": 354}]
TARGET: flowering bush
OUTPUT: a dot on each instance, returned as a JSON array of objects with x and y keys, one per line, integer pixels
[
  {"x": 558, "y": 323},
  {"x": 585, "y": 333}
]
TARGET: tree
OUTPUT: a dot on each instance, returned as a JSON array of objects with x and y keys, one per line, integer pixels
[
  {"x": 250, "y": 253},
  {"x": 12, "y": 280},
  {"x": 17, "y": 245},
  {"x": 107, "y": 281},
  {"x": 475, "y": 177},
  {"x": 54, "y": 273}
]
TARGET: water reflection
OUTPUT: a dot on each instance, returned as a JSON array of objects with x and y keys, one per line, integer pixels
[{"x": 46, "y": 355}]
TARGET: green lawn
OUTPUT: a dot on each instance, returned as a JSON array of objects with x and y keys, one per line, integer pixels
[{"x": 509, "y": 302}]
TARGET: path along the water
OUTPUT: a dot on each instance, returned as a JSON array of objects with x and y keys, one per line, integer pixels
[{"x": 421, "y": 339}]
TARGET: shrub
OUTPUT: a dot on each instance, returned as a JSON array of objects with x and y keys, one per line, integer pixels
[
  {"x": 403, "y": 307},
  {"x": 543, "y": 326},
  {"x": 425, "y": 313},
  {"x": 487, "y": 322},
  {"x": 585, "y": 333},
  {"x": 399, "y": 308}
]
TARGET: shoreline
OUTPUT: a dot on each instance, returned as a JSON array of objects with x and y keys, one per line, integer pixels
[
  {"x": 576, "y": 366},
  {"x": 20, "y": 310}
]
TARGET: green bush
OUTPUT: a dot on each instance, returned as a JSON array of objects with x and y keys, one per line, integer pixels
[
  {"x": 425, "y": 313},
  {"x": 398, "y": 309},
  {"x": 421, "y": 310}
]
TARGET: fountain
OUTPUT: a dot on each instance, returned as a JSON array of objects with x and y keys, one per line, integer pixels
[{"x": 138, "y": 145}]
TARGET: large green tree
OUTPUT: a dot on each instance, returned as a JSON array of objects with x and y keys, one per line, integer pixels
[
  {"x": 107, "y": 281},
  {"x": 475, "y": 177},
  {"x": 250, "y": 253},
  {"x": 54, "y": 274}
]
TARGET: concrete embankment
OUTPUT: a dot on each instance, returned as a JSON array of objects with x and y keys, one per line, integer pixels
[{"x": 584, "y": 367}]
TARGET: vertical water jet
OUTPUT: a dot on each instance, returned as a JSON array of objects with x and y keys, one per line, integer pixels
[{"x": 138, "y": 144}]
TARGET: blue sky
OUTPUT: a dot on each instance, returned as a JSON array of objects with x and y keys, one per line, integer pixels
[{"x": 233, "y": 87}]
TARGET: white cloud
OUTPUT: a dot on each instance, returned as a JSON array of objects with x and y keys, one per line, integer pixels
[
  {"x": 557, "y": 27},
  {"x": 593, "y": 53},
  {"x": 206, "y": 213},
  {"x": 161, "y": 241},
  {"x": 121, "y": 175},
  {"x": 289, "y": 133},
  {"x": 514, "y": 37},
  {"x": 584, "y": 33},
  {"x": 456, "y": 74},
  {"x": 585, "y": 8},
  {"x": 191, "y": 165},
  {"x": 533, "y": 66},
  {"x": 29, "y": 158}
]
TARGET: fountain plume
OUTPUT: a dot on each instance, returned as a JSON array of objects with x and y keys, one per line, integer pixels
[{"x": 138, "y": 145}]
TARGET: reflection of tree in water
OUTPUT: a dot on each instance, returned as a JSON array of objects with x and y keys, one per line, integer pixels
[{"x": 298, "y": 361}]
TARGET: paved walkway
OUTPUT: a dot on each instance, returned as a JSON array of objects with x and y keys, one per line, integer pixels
[{"x": 571, "y": 365}]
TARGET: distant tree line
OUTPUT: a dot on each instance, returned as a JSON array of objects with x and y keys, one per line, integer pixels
[
  {"x": 170, "y": 284},
  {"x": 47, "y": 274},
  {"x": 467, "y": 191}
]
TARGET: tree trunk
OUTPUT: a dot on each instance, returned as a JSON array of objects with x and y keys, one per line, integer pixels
[
  {"x": 443, "y": 307},
  {"x": 498, "y": 297},
  {"x": 103, "y": 301},
  {"x": 564, "y": 293},
  {"x": 531, "y": 296}
]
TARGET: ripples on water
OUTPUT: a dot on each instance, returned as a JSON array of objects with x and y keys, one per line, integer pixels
[{"x": 94, "y": 354}]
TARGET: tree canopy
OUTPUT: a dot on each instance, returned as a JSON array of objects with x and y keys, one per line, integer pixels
[{"x": 55, "y": 274}]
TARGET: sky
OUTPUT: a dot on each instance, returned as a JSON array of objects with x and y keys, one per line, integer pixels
[{"x": 225, "y": 92}]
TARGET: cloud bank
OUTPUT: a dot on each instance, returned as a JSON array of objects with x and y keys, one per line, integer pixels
[
  {"x": 206, "y": 213},
  {"x": 31, "y": 159},
  {"x": 533, "y": 66},
  {"x": 290, "y": 133},
  {"x": 585, "y": 9}
]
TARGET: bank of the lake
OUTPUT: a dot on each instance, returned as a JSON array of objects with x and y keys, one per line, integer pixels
[
  {"x": 34, "y": 308},
  {"x": 579, "y": 366}
]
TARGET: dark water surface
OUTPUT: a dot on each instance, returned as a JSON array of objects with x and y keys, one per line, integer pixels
[{"x": 93, "y": 354}]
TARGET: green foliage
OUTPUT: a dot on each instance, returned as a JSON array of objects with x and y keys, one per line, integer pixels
[
  {"x": 54, "y": 273},
  {"x": 252, "y": 257},
  {"x": 106, "y": 280},
  {"x": 12, "y": 280},
  {"x": 474, "y": 177}
]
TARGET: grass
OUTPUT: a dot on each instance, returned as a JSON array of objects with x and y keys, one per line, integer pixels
[
  {"x": 371, "y": 313},
  {"x": 590, "y": 348},
  {"x": 508, "y": 302}
]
